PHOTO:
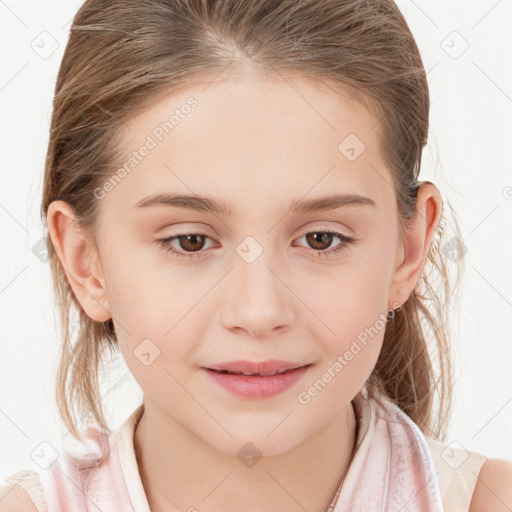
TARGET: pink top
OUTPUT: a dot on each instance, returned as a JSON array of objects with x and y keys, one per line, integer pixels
[{"x": 394, "y": 467}]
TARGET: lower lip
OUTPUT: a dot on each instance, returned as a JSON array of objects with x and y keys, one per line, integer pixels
[{"x": 257, "y": 387}]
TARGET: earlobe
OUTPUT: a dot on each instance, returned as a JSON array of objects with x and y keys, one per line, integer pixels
[
  {"x": 416, "y": 246},
  {"x": 80, "y": 260}
]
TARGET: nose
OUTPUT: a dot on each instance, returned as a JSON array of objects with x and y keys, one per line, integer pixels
[{"x": 257, "y": 299}]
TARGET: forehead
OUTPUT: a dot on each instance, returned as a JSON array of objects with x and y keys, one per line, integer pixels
[{"x": 236, "y": 136}]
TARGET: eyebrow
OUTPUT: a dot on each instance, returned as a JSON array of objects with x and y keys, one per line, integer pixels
[{"x": 212, "y": 205}]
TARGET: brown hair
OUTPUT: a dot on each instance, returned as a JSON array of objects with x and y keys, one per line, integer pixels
[{"x": 122, "y": 55}]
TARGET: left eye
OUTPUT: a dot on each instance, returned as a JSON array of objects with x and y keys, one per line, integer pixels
[
  {"x": 316, "y": 238},
  {"x": 192, "y": 243}
]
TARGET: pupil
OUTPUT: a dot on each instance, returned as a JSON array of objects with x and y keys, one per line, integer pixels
[
  {"x": 323, "y": 238},
  {"x": 192, "y": 242}
]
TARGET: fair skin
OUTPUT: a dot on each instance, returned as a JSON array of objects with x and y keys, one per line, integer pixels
[
  {"x": 492, "y": 491},
  {"x": 257, "y": 145}
]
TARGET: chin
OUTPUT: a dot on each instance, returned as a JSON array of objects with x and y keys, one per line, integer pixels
[{"x": 246, "y": 446}]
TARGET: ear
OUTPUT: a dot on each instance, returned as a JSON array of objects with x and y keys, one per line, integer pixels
[
  {"x": 413, "y": 251},
  {"x": 80, "y": 259}
]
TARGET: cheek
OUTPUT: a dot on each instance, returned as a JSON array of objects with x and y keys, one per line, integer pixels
[
  {"x": 352, "y": 322},
  {"x": 353, "y": 300},
  {"x": 350, "y": 354},
  {"x": 153, "y": 310},
  {"x": 159, "y": 362},
  {"x": 140, "y": 289}
]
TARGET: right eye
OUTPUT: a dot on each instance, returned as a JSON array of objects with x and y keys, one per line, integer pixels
[{"x": 192, "y": 242}]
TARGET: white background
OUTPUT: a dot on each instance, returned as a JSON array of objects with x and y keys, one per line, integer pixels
[{"x": 467, "y": 157}]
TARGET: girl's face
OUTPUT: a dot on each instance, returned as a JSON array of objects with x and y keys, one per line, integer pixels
[{"x": 265, "y": 281}]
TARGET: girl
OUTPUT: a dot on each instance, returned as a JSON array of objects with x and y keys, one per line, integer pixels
[{"x": 232, "y": 199}]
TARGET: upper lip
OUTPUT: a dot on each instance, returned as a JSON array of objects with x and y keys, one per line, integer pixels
[{"x": 262, "y": 367}]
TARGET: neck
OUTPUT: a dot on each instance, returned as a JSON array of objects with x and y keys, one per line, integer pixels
[{"x": 180, "y": 472}]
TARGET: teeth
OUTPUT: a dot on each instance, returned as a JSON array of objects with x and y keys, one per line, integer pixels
[
  {"x": 247, "y": 374},
  {"x": 262, "y": 374}
]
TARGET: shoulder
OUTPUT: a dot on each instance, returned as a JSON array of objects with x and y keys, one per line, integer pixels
[
  {"x": 14, "y": 498},
  {"x": 22, "y": 491},
  {"x": 457, "y": 472},
  {"x": 493, "y": 490}
]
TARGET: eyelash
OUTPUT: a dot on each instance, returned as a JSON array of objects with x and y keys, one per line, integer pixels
[{"x": 165, "y": 244}]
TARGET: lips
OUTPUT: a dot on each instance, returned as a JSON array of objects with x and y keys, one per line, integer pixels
[
  {"x": 261, "y": 369},
  {"x": 259, "y": 383},
  {"x": 249, "y": 374}
]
